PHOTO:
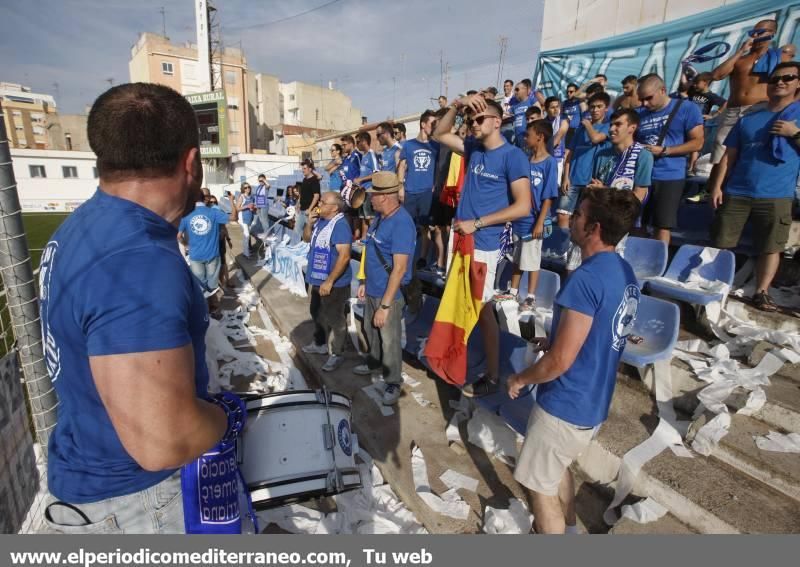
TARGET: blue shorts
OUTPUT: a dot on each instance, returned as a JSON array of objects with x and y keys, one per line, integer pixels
[
  {"x": 418, "y": 206},
  {"x": 568, "y": 202}
]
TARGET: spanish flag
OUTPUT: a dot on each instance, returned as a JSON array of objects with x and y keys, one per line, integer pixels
[{"x": 446, "y": 349}]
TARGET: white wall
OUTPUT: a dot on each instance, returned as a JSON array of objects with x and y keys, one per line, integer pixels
[
  {"x": 53, "y": 193},
  {"x": 572, "y": 22}
]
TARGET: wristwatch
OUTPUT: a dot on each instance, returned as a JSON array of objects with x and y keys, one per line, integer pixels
[
  {"x": 478, "y": 223},
  {"x": 385, "y": 306},
  {"x": 796, "y": 136}
]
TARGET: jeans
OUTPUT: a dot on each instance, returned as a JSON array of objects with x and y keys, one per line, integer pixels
[
  {"x": 385, "y": 350},
  {"x": 156, "y": 510},
  {"x": 566, "y": 203},
  {"x": 263, "y": 219},
  {"x": 246, "y": 228},
  {"x": 207, "y": 272},
  {"x": 300, "y": 221},
  {"x": 329, "y": 318}
]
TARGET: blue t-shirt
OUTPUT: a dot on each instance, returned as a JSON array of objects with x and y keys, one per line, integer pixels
[
  {"x": 321, "y": 262},
  {"x": 607, "y": 160},
  {"x": 571, "y": 110},
  {"x": 395, "y": 234},
  {"x": 369, "y": 165},
  {"x": 756, "y": 172},
  {"x": 421, "y": 164},
  {"x": 518, "y": 108},
  {"x": 556, "y": 151},
  {"x": 112, "y": 281},
  {"x": 487, "y": 186},
  {"x": 388, "y": 157},
  {"x": 335, "y": 182},
  {"x": 583, "y": 152},
  {"x": 201, "y": 227},
  {"x": 688, "y": 116},
  {"x": 604, "y": 288},
  {"x": 351, "y": 166},
  {"x": 544, "y": 185}
]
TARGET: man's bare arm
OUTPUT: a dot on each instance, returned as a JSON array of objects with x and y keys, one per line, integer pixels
[
  {"x": 727, "y": 66},
  {"x": 153, "y": 405}
]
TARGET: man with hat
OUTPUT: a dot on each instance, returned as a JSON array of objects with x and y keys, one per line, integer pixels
[{"x": 388, "y": 248}]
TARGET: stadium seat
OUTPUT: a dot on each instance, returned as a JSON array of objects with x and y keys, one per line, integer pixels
[
  {"x": 546, "y": 288},
  {"x": 647, "y": 257},
  {"x": 555, "y": 247},
  {"x": 658, "y": 323},
  {"x": 687, "y": 262}
]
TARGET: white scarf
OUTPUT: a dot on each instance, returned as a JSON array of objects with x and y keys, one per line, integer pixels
[{"x": 322, "y": 238}]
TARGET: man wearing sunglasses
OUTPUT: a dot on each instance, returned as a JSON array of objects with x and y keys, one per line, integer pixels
[
  {"x": 523, "y": 98},
  {"x": 755, "y": 180},
  {"x": 497, "y": 190},
  {"x": 571, "y": 110},
  {"x": 748, "y": 69},
  {"x": 671, "y": 129}
]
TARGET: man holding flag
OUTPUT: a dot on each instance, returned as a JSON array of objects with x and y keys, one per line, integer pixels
[{"x": 496, "y": 192}]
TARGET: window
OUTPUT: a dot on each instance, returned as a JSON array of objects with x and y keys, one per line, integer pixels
[
  {"x": 230, "y": 77},
  {"x": 69, "y": 171},
  {"x": 291, "y": 97},
  {"x": 95, "y": 172},
  {"x": 166, "y": 68},
  {"x": 37, "y": 171}
]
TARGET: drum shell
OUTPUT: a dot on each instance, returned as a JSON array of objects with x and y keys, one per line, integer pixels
[
  {"x": 357, "y": 197},
  {"x": 288, "y": 453}
]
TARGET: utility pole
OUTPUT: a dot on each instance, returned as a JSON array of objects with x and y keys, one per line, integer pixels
[
  {"x": 394, "y": 95},
  {"x": 57, "y": 91},
  {"x": 110, "y": 81},
  {"x": 502, "y": 59},
  {"x": 446, "y": 77},
  {"x": 441, "y": 72},
  {"x": 19, "y": 284}
]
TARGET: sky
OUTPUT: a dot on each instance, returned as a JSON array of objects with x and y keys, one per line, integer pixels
[{"x": 384, "y": 54}]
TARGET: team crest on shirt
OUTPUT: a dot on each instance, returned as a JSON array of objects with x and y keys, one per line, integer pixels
[
  {"x": 622, "y": 325},
  {"x": 422, "y": 159},
  {"x": 200, "y": 225}
]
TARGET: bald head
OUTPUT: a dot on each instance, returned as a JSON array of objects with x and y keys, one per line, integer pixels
[{"x": 651, "y": 81}]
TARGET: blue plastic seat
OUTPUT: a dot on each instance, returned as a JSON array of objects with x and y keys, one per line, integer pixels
[
  {"x": 657, "y": 322},
  {"x": 555, "y": 247},
  {"x": 647, "y": 257},
  {"x": 546, "y": 288},
  {"x": 687, "y": 260}
]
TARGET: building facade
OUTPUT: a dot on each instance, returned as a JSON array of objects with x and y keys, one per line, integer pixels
[
  {"x": 318, "y": 107},
  {"x": 29, "y": 116}
]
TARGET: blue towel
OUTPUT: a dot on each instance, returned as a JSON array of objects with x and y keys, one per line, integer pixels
[
  {"x": 781, "y": 144},
  {"x": 766, "y": 63}
]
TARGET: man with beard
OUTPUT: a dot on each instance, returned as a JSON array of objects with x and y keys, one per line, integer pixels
[
  {"x": 629, "y": 98},
  {"x": 125, "y": 322}
]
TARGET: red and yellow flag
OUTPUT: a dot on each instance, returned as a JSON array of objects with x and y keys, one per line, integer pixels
[{"x": 446, "y": 349}]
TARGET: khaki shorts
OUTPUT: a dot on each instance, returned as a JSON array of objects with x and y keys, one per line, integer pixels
[
  {"x": 527, "y": 255},
  {"x": 771, "y": 220},
  {"x": 551, "y": 445}
]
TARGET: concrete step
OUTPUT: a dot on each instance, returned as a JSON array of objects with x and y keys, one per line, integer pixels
[{"x": 706, "y": 494}]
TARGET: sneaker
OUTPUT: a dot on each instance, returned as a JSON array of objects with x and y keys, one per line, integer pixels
[
  {"x": 503, "y": 295},
  {"x": 528, "y": 305},
  {"x": 485, "y": 386},
  {"x": 363, "y": 370},
  {"x": 440, "y": 271},
  {"x": 332, "y": 363},
  {"x": 391, "y": 394},
  {"x": 314, "y": 348}
]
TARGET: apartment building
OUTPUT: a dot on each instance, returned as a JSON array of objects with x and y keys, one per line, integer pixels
[{"x": 29, "y": 116}]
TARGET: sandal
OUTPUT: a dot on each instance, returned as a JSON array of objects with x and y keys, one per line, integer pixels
[{"x": 763, "y": 302}]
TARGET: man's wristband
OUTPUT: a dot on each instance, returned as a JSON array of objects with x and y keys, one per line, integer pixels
[
  {"x": 663, "y": 151},
  {"x": 386, "y": 307}
]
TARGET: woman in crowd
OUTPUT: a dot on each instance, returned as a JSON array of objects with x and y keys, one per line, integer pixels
[
  {"x": 333, "y": 168},
  {"x": 246, "y": 205}
]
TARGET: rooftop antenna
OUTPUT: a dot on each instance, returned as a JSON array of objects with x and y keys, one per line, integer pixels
[
  {"x": 110, "y": 81},
  {"x": 163, "y": 22},
  {"x": 502, "y": 59}
]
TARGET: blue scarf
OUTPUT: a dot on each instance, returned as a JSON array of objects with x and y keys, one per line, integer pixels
[
  {"x": 766, "y": 63},
  {"x": 781, "y": 144}
]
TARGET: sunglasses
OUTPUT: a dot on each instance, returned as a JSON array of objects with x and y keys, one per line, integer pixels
[
  {"x": 479, "y": 120},
  {"x": 785, "y": 78}
]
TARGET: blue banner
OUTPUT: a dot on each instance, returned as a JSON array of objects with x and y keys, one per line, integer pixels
[{"x": 661, "y": 48}]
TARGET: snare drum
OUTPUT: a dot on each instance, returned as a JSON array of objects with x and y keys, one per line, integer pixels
[{"x": 298, "y": 445}]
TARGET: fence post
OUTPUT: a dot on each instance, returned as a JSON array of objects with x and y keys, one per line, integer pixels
[{"x": 18, "y": 281}]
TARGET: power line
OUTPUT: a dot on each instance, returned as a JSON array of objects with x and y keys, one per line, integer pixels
[{"x": 287, "y": 18}]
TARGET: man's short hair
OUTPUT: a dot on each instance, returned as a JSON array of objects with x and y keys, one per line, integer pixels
[
  {"x": 308, "y": 162},
  {"x": 386, "y": 127},
  {"x": 594, "y": 88},
  {"x": 705, "y": 77},
  {"x": 533, "y": 110},
  {"x": 572, "y": 85},
  {"x": 787, "y": 65},
  {"x": 141, "y": 130},
  {"x": 491, "y": 90},
  {"x": 651, "y": 80},
  {"x": 630, "y": 79},
  {"x": 542, "y": 127},
  {"x": 527, "y": 83},
  {"x": 493, "y": 104},
  {"x": 348, "y": 139},
  {"x": 508, "y": 81},
  {"x": 364, "y": 137},
  {"x": 616, "y": 210},
  {"x": 600, "y": 97},
  {"x": 550, "y": 100},
  {"x": 471, "y": 92},
  {"x": 629, "y": 113},
  {"x": 426, "y": 115},
  {"x": 601, "y": 76},
  {"x": 401, "y": 127},
  {"x": 442, "y": 97},
  {"x": 262, "y": 176}
]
